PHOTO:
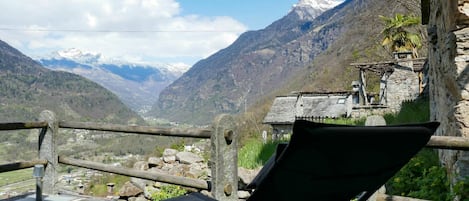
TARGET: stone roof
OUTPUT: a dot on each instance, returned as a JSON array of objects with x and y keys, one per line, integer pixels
[
  {"x": 284, "y": 110},
  {"x": 324, "y": 106}
]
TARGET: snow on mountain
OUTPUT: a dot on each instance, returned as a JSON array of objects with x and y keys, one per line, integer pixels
[
  {"x": 314, "y": 7},
  {"x": 318, "y": 4},
  {"x": 137, "y": 84}
]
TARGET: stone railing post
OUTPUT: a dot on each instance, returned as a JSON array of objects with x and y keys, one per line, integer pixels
[
  {"x": 224, "y": 159},
  {"x": 47, "y": 150},
  {"x": 376, "y": 120}
]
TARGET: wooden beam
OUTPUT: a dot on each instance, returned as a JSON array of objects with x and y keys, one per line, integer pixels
[
  {"x": 384, "y": 197},
  {"x": 21, "y": 165},
  {"x": 182, "y": 181},
  {"x": 22, "y": 125},
  {"x": 449, "y": 142},
  {"x": 147, "y": 130}
]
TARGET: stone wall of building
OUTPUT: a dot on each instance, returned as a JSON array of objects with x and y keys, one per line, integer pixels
[
  {"x": 402, "y": 85},
  {"x": 448, "y": 33}
]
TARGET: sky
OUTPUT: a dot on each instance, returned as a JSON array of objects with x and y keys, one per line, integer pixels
[{"x": 174, "y": 32}]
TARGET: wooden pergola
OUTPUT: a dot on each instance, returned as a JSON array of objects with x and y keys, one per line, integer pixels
[{"x": 384, "y": 69}]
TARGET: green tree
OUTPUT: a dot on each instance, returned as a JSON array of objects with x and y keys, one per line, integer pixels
[{"x": 398, "y": 35}]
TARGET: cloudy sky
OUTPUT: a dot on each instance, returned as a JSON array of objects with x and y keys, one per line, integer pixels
[{"x": 153, "y": 31}]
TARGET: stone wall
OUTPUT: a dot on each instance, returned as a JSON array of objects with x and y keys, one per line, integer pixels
[
  {"x": 402, "y": 85},
  {"x": 448, "y": 34}
]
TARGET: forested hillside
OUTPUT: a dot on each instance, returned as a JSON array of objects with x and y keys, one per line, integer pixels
[{"x": 27, "y": 88}]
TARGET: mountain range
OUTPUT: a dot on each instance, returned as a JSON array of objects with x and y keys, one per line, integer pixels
[
  {"x": 308, "y": 49},
  {"x": 136, "y": 84},
  {"x": 27, "y": 88}
]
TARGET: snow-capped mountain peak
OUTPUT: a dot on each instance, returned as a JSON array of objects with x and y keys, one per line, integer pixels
[
  {"x": 318, "y": 4},
  {"x": 310, "y": 9},
  {"x": 78, "y": 55}
]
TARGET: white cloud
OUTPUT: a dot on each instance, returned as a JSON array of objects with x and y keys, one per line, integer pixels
[{"x": 151, "y": 30}]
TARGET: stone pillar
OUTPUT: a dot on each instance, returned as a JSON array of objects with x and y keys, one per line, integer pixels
[
  {"x": 47, "y": 150},
  {"x": 448, "y": 55},
  {"x": 224, "y": 159}
]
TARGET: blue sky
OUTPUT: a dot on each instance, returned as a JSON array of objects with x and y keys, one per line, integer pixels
[
  {"x": 255, "y": 14},
  {"x": 175, "y": 32}
]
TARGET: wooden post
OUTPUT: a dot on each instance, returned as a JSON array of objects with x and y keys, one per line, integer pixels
[
  {"x": 364, "y": 96},
  {"x": 47, "y": 150},
  {"x": 224, "y": 159}
]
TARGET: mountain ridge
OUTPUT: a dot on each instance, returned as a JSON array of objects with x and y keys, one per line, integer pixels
[
  {"x": 291, "y": 54},
  {"x": 136, "y": 84},
  {"x": 274, "y": 50},
  {"x": 27, "y": 88}
]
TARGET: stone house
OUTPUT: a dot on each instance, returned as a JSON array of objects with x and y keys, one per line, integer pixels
[
  {"x": 448, "y": 58},
  {"x": 306, "y": 105},
  {"x": 401, "y": 79}
]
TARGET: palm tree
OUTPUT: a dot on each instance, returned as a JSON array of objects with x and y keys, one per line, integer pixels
[{"x": 397, "y": 35}]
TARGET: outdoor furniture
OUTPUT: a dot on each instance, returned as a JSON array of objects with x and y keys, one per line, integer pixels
[{"x": 337, "y": 162}]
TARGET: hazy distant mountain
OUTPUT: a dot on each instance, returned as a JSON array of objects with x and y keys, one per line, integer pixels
[
  {"x": 27, "y": 88},
  {"x": 308, "y": 49},
  {"x": 137, "y": 85}
]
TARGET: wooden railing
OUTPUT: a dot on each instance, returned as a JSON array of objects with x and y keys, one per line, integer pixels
[
  {"x": 224, "y": 179},
  {"x": 223, "y": 162}
]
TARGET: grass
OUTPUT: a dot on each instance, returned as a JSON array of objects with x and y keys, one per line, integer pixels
[
  {"x": 254, "y": 153},
  {"x": 12, "y": 177},
  {"x": 98, "y": 186}
]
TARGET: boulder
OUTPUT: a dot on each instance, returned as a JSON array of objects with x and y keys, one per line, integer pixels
[
  {"x": 129, "y": 190},
  {"x": 243, "y": 195},
  {"x": 154, "y": 162},
  {"x": 169, "y": 155},
  {"x": 141, "y": 165},
  {"x": 188, "y": 158},
  {"x": 246, "y": 176}
]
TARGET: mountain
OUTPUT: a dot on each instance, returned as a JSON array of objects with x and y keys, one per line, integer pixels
[
  {"x": 308, "y": 49},
  {"x": 27, "y": 88},
  {"x": 137, "y": 85}
]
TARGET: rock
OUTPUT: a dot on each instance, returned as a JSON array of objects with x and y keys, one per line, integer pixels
[
  {"x": 375, "y": 120},
  {"x": 141, "y": 165},
  {"x": 129, "y": 190},
  {"x": 154, "y": 162},
  {"x": 140, "y": 183},
  {"x": 202, "y": 145},
  {"x": 243, "y": 194},
  {"x": 149, "y": 190},
  {"x": 195, "y": 171},
  {"x": 178, "y": 170},
  {"x": 169, "y": 155},
  {"x": 188, "y": 158},
  {"x": 246, "y": 176},
  {"x": 206, "y": 193},
  {"x": 140, "y": 198}
]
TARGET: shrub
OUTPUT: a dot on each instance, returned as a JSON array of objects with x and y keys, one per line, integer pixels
[
  {"x": 168, "y": 191},
  {"x": 422, "y": 178}
]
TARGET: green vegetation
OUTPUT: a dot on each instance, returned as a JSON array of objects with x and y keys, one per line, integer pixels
[
  {"x": 168, "y": 191},
  {"x": 422, "y": 177},
  {"x": 12, "y": 177},
  {"x": 397, "y": 34},
  {"x": 255, "y": 154},
  {"x": 98, "y": 185}
]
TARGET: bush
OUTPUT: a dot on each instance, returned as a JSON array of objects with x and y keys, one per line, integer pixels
[
  {"x": 168, "y": 191},
  {"x": 422, "y": 178}
]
